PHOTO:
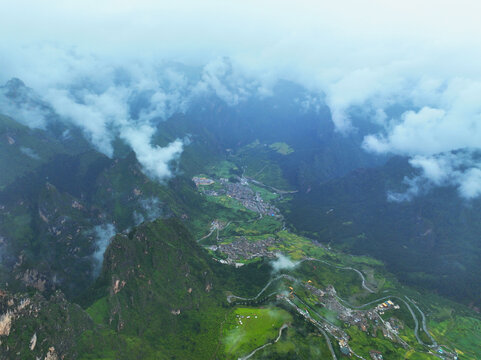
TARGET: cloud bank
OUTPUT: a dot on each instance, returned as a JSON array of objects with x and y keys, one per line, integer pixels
[{"x": 411, "y": 67}]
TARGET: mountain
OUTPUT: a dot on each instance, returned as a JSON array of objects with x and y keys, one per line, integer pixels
[
  {"x": 159, "y": 295},
  {"x": 431, "y": 241},
  {"x": 250, "y": 249},
  {"x": 162, "y": 296},
  {"x": 320, "y": 152},
  {"x": 34, "y": 327}
]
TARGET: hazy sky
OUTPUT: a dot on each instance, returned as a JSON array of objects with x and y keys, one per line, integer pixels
[{"x": 424, "y": 55}]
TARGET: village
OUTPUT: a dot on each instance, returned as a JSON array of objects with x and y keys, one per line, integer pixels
[
  {"x": 376, "y": 321},
  {"x": 240, "y": 191},
  {"x": 243, "y": 249},
  {"x": 368, "y": 321}
]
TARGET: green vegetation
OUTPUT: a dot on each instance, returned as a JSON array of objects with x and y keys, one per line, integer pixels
[
  {"x": 299, "y": 341},
  {"x": 362, "y": 343},
  {"x": 282, "y": 148},
  {"x": 24, "y": 150},
  {"x": 256, "y": 160},
  {"x": 248, "y": 328},
  {"x": 459, "y": 332},
  {"x": 428, "y": 243},
  {"x": 165, "y": 279},
  {"x": 161, "y": 295}
]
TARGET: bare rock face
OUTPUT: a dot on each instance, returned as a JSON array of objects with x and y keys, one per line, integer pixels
[
  {"x": 118, "y": 285},
  {"x": 33, "y": 341},
  {"x": 6, "y": 323},
  {"x": 51, "y": 339},
  {"x": 32, "y": 278},
  {"x": 8, "y": 317},
  {"x": 51, "y": 355}
]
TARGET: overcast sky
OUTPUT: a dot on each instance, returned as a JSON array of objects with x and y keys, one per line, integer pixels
[{"x": 424, "y": 55}]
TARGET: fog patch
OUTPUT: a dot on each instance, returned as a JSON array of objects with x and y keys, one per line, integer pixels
[
  {"x": 150, "y": 209},
  {"x": 2, "y": 246},
  {"x": 29, "y": 152},
  {"x": 138, "y": 218},
  {"x": 103, "y": 234},
  {"x": 460, "y": 169},
  {"x": 155, "y": 160},
  {"x": 23, "y": 104},
  {"x": 283, "y": 263},
  {"x": 153, "y": 208}
]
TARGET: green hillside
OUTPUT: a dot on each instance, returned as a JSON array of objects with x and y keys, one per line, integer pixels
[
  {"x": 430, "y": 242},
  {"x": 24, "y": 150}
]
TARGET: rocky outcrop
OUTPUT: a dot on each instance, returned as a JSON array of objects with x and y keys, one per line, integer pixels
[
  {"x": 56, "y": 324},
  {"x": 32, "y": 278},
  {"x": 33, "y": 341},
  {"x": 51, "y": 355},
  {"x": 6, "y": 323}
]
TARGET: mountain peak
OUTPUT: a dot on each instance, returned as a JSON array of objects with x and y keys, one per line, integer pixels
[{"x": 14, "y": 84}]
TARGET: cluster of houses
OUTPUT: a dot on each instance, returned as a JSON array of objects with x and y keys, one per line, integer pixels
[
  {"x": 387, "y": 305},
  {"x": 202, "y": 181},
  {"x": 243, "y": 249}
]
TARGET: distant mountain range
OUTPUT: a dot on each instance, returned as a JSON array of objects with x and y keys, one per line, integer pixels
[{"x": 62, "y": 202}]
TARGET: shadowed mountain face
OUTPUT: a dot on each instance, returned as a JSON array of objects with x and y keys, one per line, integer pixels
[
  {"x": 431, "y": 241},
  {"x": 24, "y": 149},
  {"x": 320, "y": 152}
]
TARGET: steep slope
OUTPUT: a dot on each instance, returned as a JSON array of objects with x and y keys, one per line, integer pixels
[
  {"x": 163, "y": 298},
  {"x": 32, "y": 135},
  {"x": 431, "y": 241},
  {"x": 47, "y": 224},
  {"x": 291, "y": 116},
  {"x": 159, "y": 296},
  {"x": 23, "y": 149},
  {"x": 33, "y": 327}
]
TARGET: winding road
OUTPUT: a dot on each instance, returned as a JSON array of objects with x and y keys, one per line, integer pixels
[
  {"x": 416, "y": 321},
  {"x": 285, "y": 326},
  {"x": 425, "y": 328},
  {"x": 342, "y": 268},
  {"x": 406, "y": 302},
  {"x": 283, "y": 276}
]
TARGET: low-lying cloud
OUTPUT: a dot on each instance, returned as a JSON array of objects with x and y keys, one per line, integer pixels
[
  {"x": 29, "y": 152},
  {"x": 282, "y": 262},
  {"x": 102, "y": 234},
  {"x": 461, "y": 169},
  {"x": 442, "y": 139},
  {"x": 151, "y": 209},
  {"x": 29, "y": 110},
  {"x": 108, "y": 110},
  {"x": 411, "y": 68}
]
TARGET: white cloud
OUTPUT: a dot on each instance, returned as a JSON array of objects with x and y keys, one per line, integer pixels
[
  {"x": 90, "y": 114},
  {"x": 461, "y": 169},
  {"x": 422, "y": 57},
  {"x": 103, "y": 234},
  {"x": 30, "y": 152},
  {"x": 470, "y": 183},
  {"x": 283, "y": 263},
  {"x": 106, "y": 115},
  {"x": 154, "y": 159},
  {"x": 21, "y": 103}
]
